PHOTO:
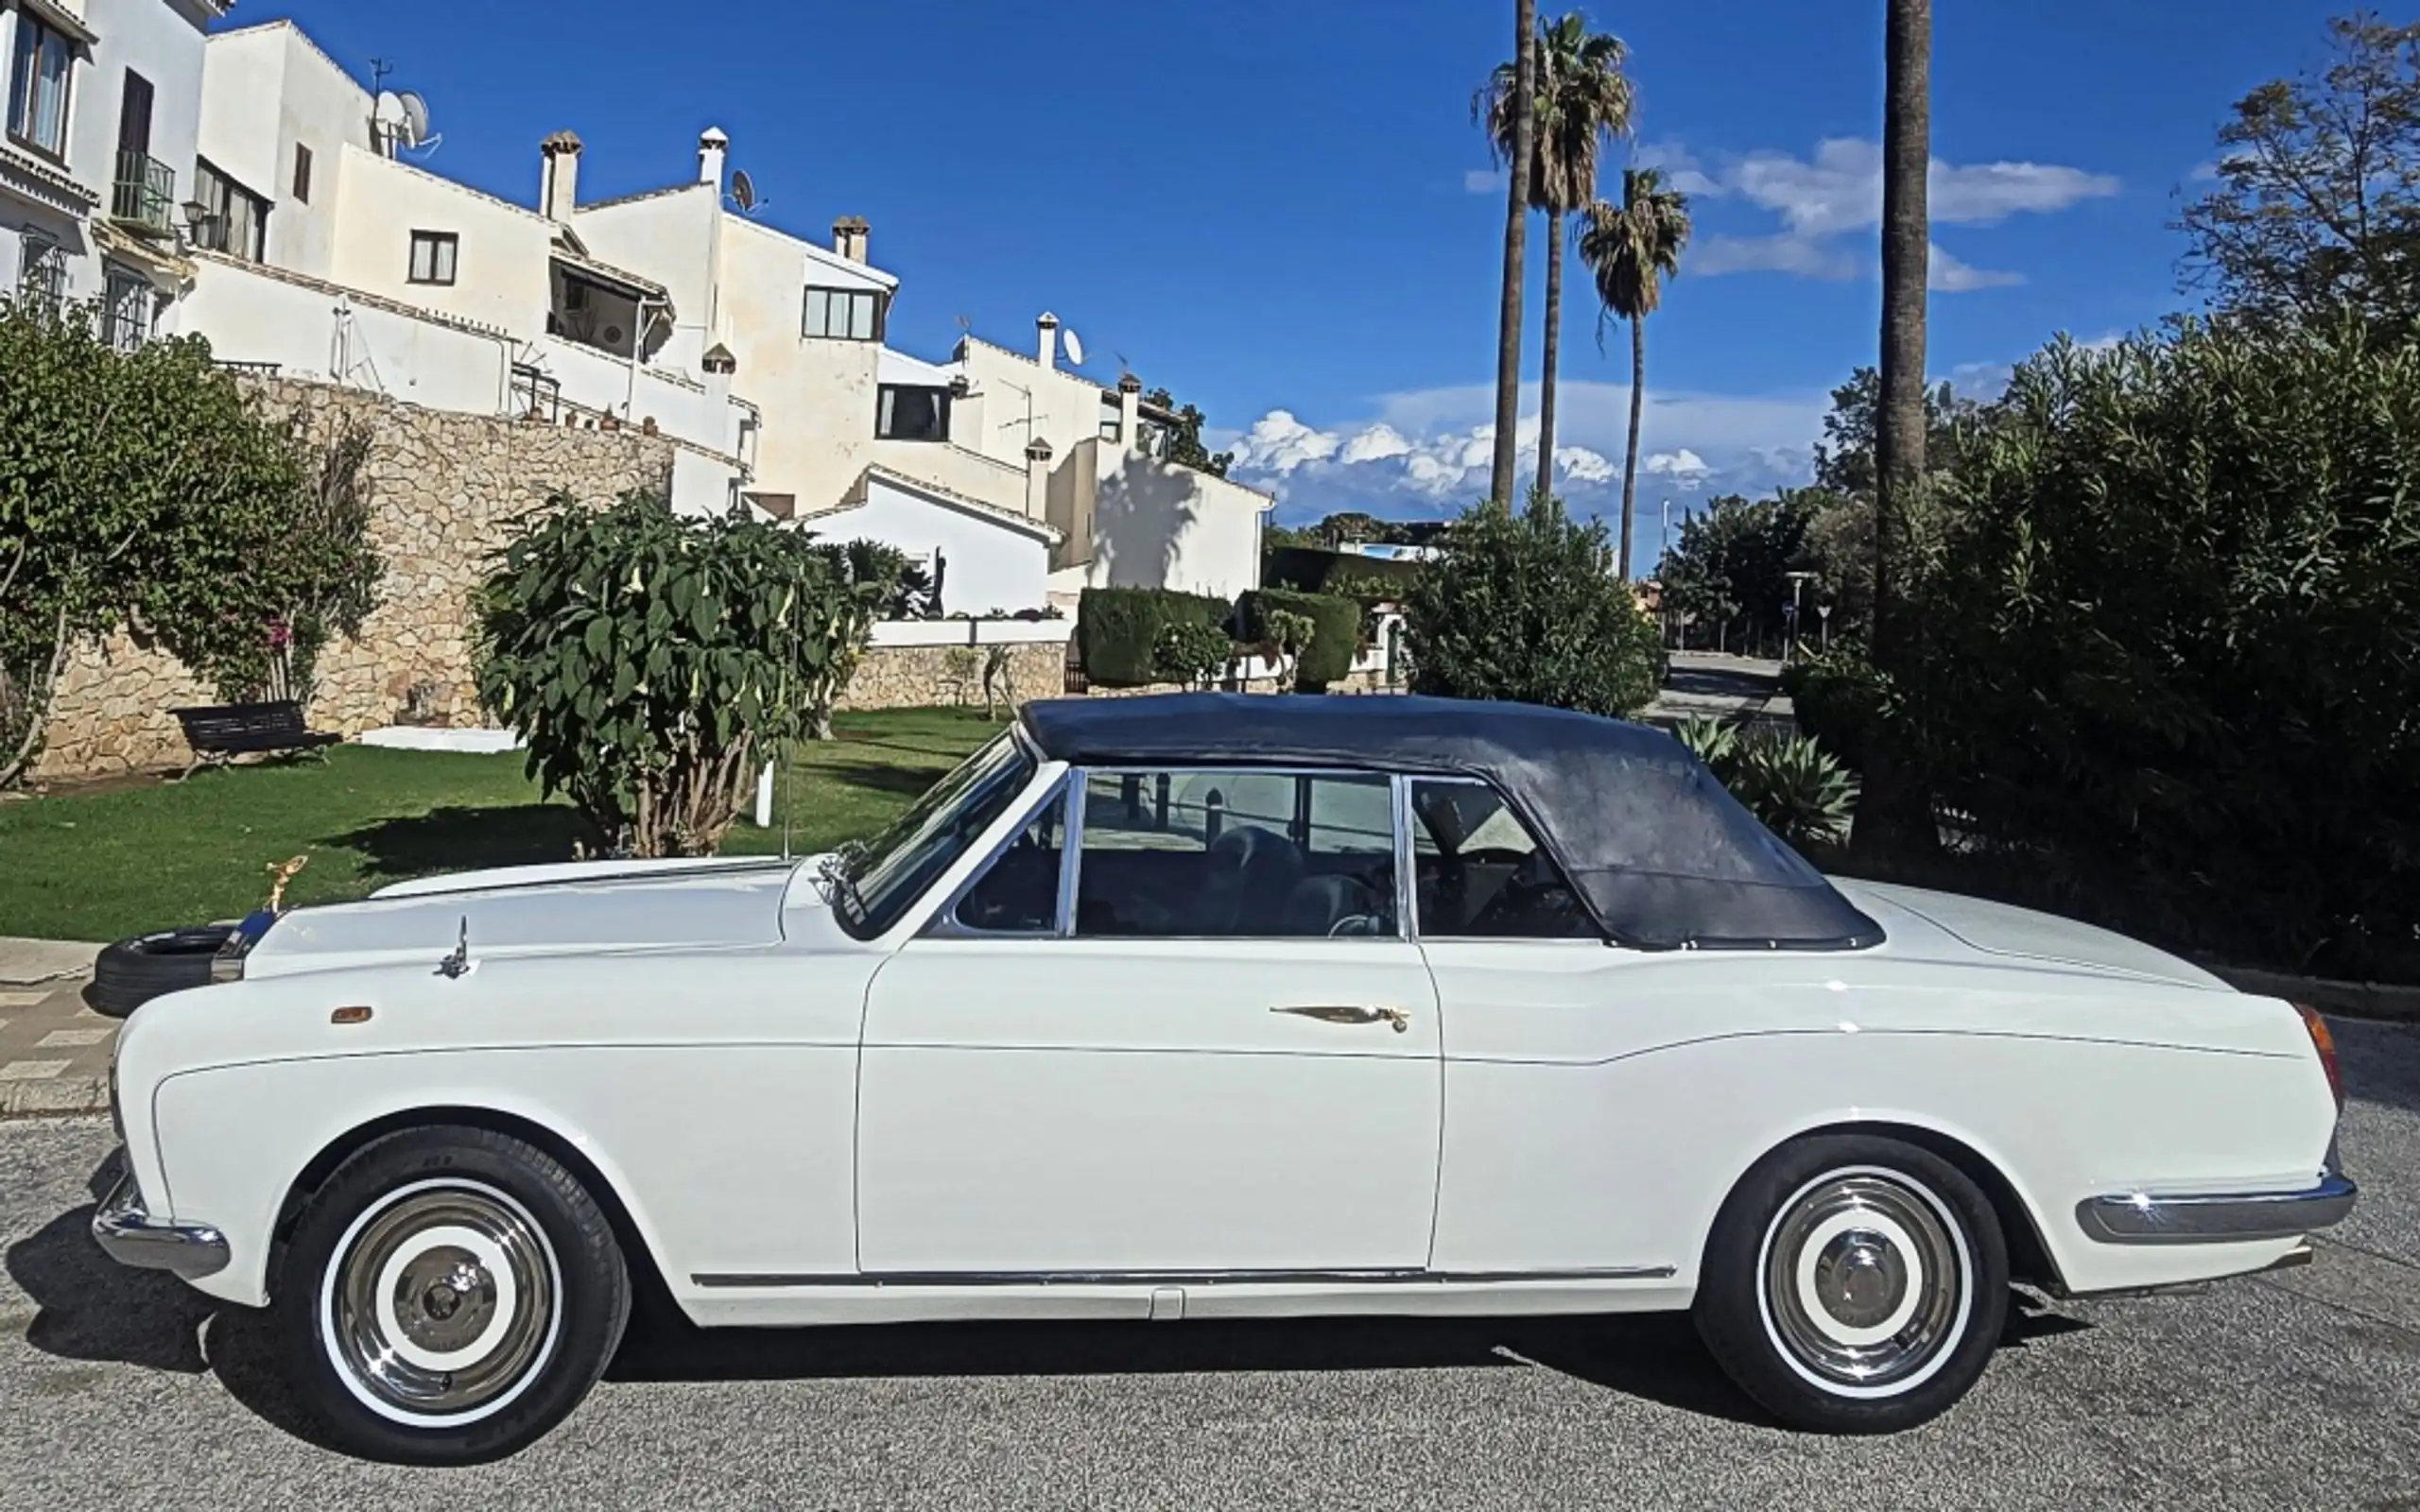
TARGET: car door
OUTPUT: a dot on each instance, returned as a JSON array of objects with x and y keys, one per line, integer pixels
[{"x": 1198, "y": 1041}]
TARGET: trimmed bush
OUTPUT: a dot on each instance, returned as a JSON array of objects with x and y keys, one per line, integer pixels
[
  {"x": 1336, "y": 632},
  {"x": 1837, "y": 698},
  {"x": 1121, "y": 633}
]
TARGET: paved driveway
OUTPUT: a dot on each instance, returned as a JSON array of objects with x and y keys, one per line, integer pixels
[{"x": 120, "y": 1390}]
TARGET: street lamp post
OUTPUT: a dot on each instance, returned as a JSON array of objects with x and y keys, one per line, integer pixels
[{"x": 1797, "y": 587}]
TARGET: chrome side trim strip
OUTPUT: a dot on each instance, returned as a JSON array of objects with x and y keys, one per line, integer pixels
[
  {"x": 1163, "y": 1278},
  {"x": 131, "y": 1236},
  {"x": 2155, "y": 1218}
]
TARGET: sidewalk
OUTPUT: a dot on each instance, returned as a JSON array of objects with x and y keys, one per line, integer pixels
[{"x": 54, "y": 1050}]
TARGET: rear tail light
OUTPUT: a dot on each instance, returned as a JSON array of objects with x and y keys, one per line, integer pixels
[{"x": 2324, "y": 1043}]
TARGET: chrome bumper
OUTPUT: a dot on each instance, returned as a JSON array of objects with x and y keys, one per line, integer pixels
[
  {"x": 131, "y": 1236},
  {"x": 2155, "y": 1218}
]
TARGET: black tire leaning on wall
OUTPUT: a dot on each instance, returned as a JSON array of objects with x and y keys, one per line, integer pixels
[{"x": 133, "y": 972}]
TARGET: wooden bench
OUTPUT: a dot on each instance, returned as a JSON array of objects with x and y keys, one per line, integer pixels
[{"x": 223, "y": 731}]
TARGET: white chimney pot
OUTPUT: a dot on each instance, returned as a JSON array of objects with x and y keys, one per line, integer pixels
[
  {"x": 710, "y": 149},
  {"x": 1045, "y": 339}
]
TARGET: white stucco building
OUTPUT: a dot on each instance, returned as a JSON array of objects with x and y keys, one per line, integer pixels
[
  {"x": 96, "y": 158},
  {"x": 328, "y": 254}
]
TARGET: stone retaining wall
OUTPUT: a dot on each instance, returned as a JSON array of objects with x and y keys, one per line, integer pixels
[
  {"x": 920, "y": 677},
  {"x": 444, "y": 488}
]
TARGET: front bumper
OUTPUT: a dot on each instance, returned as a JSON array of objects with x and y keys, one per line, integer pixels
[
  {"x": 2234, "y": 1217},
  {"x": 130, "y": 1235}
]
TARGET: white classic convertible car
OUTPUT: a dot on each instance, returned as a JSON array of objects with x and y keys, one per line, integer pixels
[{"x": 1197, "y": 1007}]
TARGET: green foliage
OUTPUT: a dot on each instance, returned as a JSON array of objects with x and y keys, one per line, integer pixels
[
  {"x": 1796, "y": 789},
  {"x": 146, "y": 488},
  {"x": 2170, "y": 660},
  {"x": 1731, "y": 567},
  {"x": 1288, "y": 635},
  {"x": 1837, "y": 698},
  {"x": 1122, "y": 634},
  {"x": 2316, "y": 204},
  {"x": 1185, "y": 437},
  {"x": 1530, "y": 607},
  {"x": 1713, "y": 741},
  {"x": 1335, "y": 636},
  {"x": 652, "y": 663},
  {"x": 1192, "y": 651}
]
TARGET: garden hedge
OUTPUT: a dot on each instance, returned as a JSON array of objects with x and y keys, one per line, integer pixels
[
  {"x": 1337, "y": 632},
  {"x": 1117, "y": 630}
]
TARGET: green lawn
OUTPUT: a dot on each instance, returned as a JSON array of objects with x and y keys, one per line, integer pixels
[{"x": 107, "y": 865}]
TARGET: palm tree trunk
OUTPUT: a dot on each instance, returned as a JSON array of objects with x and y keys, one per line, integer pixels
[
  {"x": 1630, "y": 455},
  {"x": 1517, "y": 210},
  {"x": 1892, "y": 810},
  {"x": 1554, "y": 347}
]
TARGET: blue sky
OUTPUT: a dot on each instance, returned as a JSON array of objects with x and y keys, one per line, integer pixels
[{"x": 1271, "y": 207}]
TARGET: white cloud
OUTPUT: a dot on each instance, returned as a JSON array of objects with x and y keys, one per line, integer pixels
[
  {"x": 1279, "y": 443},
  {"x": 1483, "y": 181},
  {"x": 1836, "y": 190},
  {"x": 1681, "y": 464},
  {"x": 1947, "y": 275},
  {"x": 1376, "y": 444},
  {"x": 1682, "y": 169}
]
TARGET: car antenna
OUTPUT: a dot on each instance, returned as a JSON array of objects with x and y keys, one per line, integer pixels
[{"x": 458, "y": 964}]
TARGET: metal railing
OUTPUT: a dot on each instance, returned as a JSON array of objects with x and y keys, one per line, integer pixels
[
  {"x": 143, "y": 194},
  {"x": 250, "y": 369}
]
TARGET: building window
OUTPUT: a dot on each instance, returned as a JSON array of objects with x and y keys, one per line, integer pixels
[
  {"x": 126, "y": 315},
  {"x": 38, "y": 82},
  {"x": 844, "y": 315},
  {"x": 302, "y": 175},
  {"x": 910, "y": 414},
  {"x": 42, "y": 271},
  {"x": 433, "y": 254},
  {"x": 237, "y": 222}
]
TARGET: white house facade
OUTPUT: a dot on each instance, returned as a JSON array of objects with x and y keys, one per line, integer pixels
[{"x": 96, "y": 155}]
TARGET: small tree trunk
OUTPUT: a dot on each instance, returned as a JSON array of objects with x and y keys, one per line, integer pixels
[
  {"x": 1630, "y": 456},
  {"x": 1516, "y": 211},
  {"x": 1553, "y": 349}
]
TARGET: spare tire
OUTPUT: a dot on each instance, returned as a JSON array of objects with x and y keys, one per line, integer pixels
[{"x": 133, "y": 972}]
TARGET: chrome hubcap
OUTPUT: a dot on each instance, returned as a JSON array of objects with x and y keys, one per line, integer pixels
[
  {"x": 1865, "y": 1280},
  {"x": 442, "y": 1301}
]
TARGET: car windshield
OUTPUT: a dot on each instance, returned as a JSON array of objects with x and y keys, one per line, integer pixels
[{"x": 873, "y": 886}]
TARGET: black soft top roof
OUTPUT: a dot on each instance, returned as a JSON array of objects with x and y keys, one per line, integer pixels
[{"x": 1662, "y": 857}]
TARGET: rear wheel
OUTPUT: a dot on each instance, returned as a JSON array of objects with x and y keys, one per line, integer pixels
[
  {"x": 449, "y": 1295},
  {"x": 1854, "y": 1284}
]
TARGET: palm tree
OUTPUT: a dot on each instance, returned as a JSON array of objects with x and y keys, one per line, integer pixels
[
  {"x": 1521, "y": 109},
  {"x": 1891, "y": 812},
  {"x": 1631, "y": 248},
  {"x": 1582, "y": 97}
]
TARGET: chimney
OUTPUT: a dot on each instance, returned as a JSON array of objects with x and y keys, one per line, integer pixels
[
  {"x": 849, "y": 236},
  {"x": 720, "y": 365},
  {"x": 711, "y": 147},
  {"x": 1037, "y": 477},
  {"x": 1045, "y": 339},
  {"x": 1129, "y": 412},
  {"x": 559, "y": 176}
]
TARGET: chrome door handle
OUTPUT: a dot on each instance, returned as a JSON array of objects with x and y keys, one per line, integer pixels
[{"x": 1348, "y": 1013}]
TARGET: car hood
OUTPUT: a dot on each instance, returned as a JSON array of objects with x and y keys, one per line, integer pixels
[
  {"x": 589, "y": 906},
  {"x": 2020, "y": 934}
]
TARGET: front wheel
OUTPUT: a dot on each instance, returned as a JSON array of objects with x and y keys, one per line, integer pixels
[
  {"x": 1854, "y": 1284},
  {"x": 449, "y": 1294}
]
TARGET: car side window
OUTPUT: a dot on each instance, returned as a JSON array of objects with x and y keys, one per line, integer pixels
[
  {"x": 1209, "y": 854},
  {"x": 1018, "y": 893},
  {"x": 1479, "y": 873}
]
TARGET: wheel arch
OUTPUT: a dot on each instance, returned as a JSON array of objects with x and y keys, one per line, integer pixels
[
  {"x": 645, "y": 1267},
  {"x": 2029, "y": 1258}
]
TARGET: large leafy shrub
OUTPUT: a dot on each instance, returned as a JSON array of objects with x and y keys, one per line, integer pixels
[
  {"x": 1529, "y": 606},
  {"x": 652, "y": 663},
  {"x": 146, "y": 489},
  {"x": 2171, "y": 655},
  {"x": 1122, "y": 634},
  {"x": 1336, "y": 631},
  {"x": 1837, "y": 698}
]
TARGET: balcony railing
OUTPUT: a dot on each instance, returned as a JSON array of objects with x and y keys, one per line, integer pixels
[{"x": 144, "y": 195}]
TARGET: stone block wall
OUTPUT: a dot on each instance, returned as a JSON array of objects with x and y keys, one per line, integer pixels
[
  {"x": 444, "y": 489},
  {"x": 922, "y": 676}
]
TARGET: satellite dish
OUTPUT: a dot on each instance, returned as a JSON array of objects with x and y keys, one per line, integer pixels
[
  {"x": 743, "y": 191},
  {"x": 415, "y": 118},
  {"x": 1075, "y": 348}
]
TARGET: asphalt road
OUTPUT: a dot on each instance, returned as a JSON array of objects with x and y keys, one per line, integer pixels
[{"x": 2302, "y": 1390}]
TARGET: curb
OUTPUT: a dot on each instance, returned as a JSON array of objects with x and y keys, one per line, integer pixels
[
  {"x": 56, "y": 1097},
  {"x": 2380, "y": 1000}
]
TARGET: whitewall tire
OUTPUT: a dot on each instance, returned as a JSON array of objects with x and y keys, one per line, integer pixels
[
  {"x": 448, "y": 1296},
  {"x": 1854, "y": 1284}
]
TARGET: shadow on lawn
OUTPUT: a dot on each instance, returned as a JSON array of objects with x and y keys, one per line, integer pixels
[
  {"x": 464, "y": 839},
  {"x": 909, "y": 781}
]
